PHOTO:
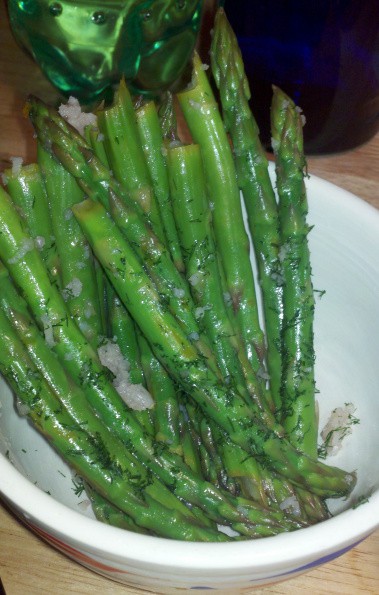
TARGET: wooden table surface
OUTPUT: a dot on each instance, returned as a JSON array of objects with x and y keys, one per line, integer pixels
[{"x": 27, "y": 565}]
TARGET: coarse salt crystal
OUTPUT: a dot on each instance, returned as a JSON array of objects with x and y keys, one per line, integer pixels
[
  {"x": 48, "y": 330},
  {"x": 16, "y": 165},
  {"x": 39, "y": 242},
  {"x": 227, "y": 298},
  {"x": 22, "y": 408},
  {"x": 291, "y": 504},
  {"x": 200, "y": 311},
  {"x": 89, "y": 310},
  {"x": 283, "y": 251},
  {"x": 68, "y": 214},
  {"x": 195, "y": 104},
  {"x": 72, "y": 289},
  {"x": 84, "y": 504},
  {"x": 337, "y": 428},
  {"x": 134, "y": 395},
  {"x": 26, "y": 246},
  {"x": 179, "y": 293},
  {"x": 193, "y": 336},
  {"x": 195, "y": 278},
  {"x": 137, "y": 397},
  {"x": 85, "y": 327},
  {"x": 72, "y": 113}
]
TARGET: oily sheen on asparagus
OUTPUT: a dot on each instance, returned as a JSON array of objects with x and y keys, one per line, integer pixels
[{"x": 129, "y": 308}]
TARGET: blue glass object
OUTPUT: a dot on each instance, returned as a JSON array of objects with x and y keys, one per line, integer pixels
[{"x": 324, "y": 54}]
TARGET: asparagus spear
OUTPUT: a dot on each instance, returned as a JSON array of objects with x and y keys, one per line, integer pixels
[
  {"x": 210, "y": 461},
  {"x": 123, "y": 334},
  {"x": 95, "y": 139},
  {"x": 72, "y": 150},
  {"x": 173, "y": 288},
  {"x": 109, "y": 514},
  {"x": 170, "y": 417},
  {"x": 204, "y": 121},
  {"x": 125, "y": 154},
  {"x": 167, "y": 117},
  {"x": 298, "y": 384},
  {"x": 154, "y": 149},
  {"x": 28, "y": 193},
  {"x": 254, "y": 181},
  {"x": 77, "y": 268},
  {"x": 119, "y": 324},
  {"x": 163, "y": 390},
  {"x": 123, "y": 330},
  {"x": 245, "y": 424},
  {"x": 193, "y": 218}
]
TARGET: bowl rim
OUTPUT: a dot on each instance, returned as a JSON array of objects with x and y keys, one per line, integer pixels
[
  {"x": 283, "y": 550},
  {"x": 333, "y": 534}
]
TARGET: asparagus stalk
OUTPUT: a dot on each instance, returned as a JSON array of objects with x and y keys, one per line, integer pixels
[
  {"x": 77, "y": 268},
  {"x": 154, "y": 149},
  {"x": 204, "y": 121},
  {"x": 72, "y": 150},
  {"x": 171, "y": 285},
  {"x": 167, "y": 118},
  {"x": 246, "y": 425},
  {"x": 193, "y": 218},
  {"x": 109, "y": 514},
  {"x": 209, "y": 457},
  {"x": 123, "y": 331},
  {"x": 298, "y": 384},
  {"x": 254, "y": 181},
  {"x": 27, "y": 192},
  {"x": 163, "y": 390},
  {"x": 125, "y": 153},
  {"x": 170, "y": 417},
  {"x": 95, "y": 139}
]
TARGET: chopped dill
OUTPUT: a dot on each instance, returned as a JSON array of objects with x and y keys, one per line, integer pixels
[
  {"x": 360, "y": 500},
  {"x": 78, "y": 488}
]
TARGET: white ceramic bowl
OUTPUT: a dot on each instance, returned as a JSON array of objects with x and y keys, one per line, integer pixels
[{"x": 39, "y": 487}]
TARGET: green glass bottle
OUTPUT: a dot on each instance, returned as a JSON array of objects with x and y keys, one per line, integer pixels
[{"x": 85, "y": 46}]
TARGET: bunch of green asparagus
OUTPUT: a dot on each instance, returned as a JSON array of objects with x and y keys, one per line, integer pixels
[{"x": 125, "y": 244}]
